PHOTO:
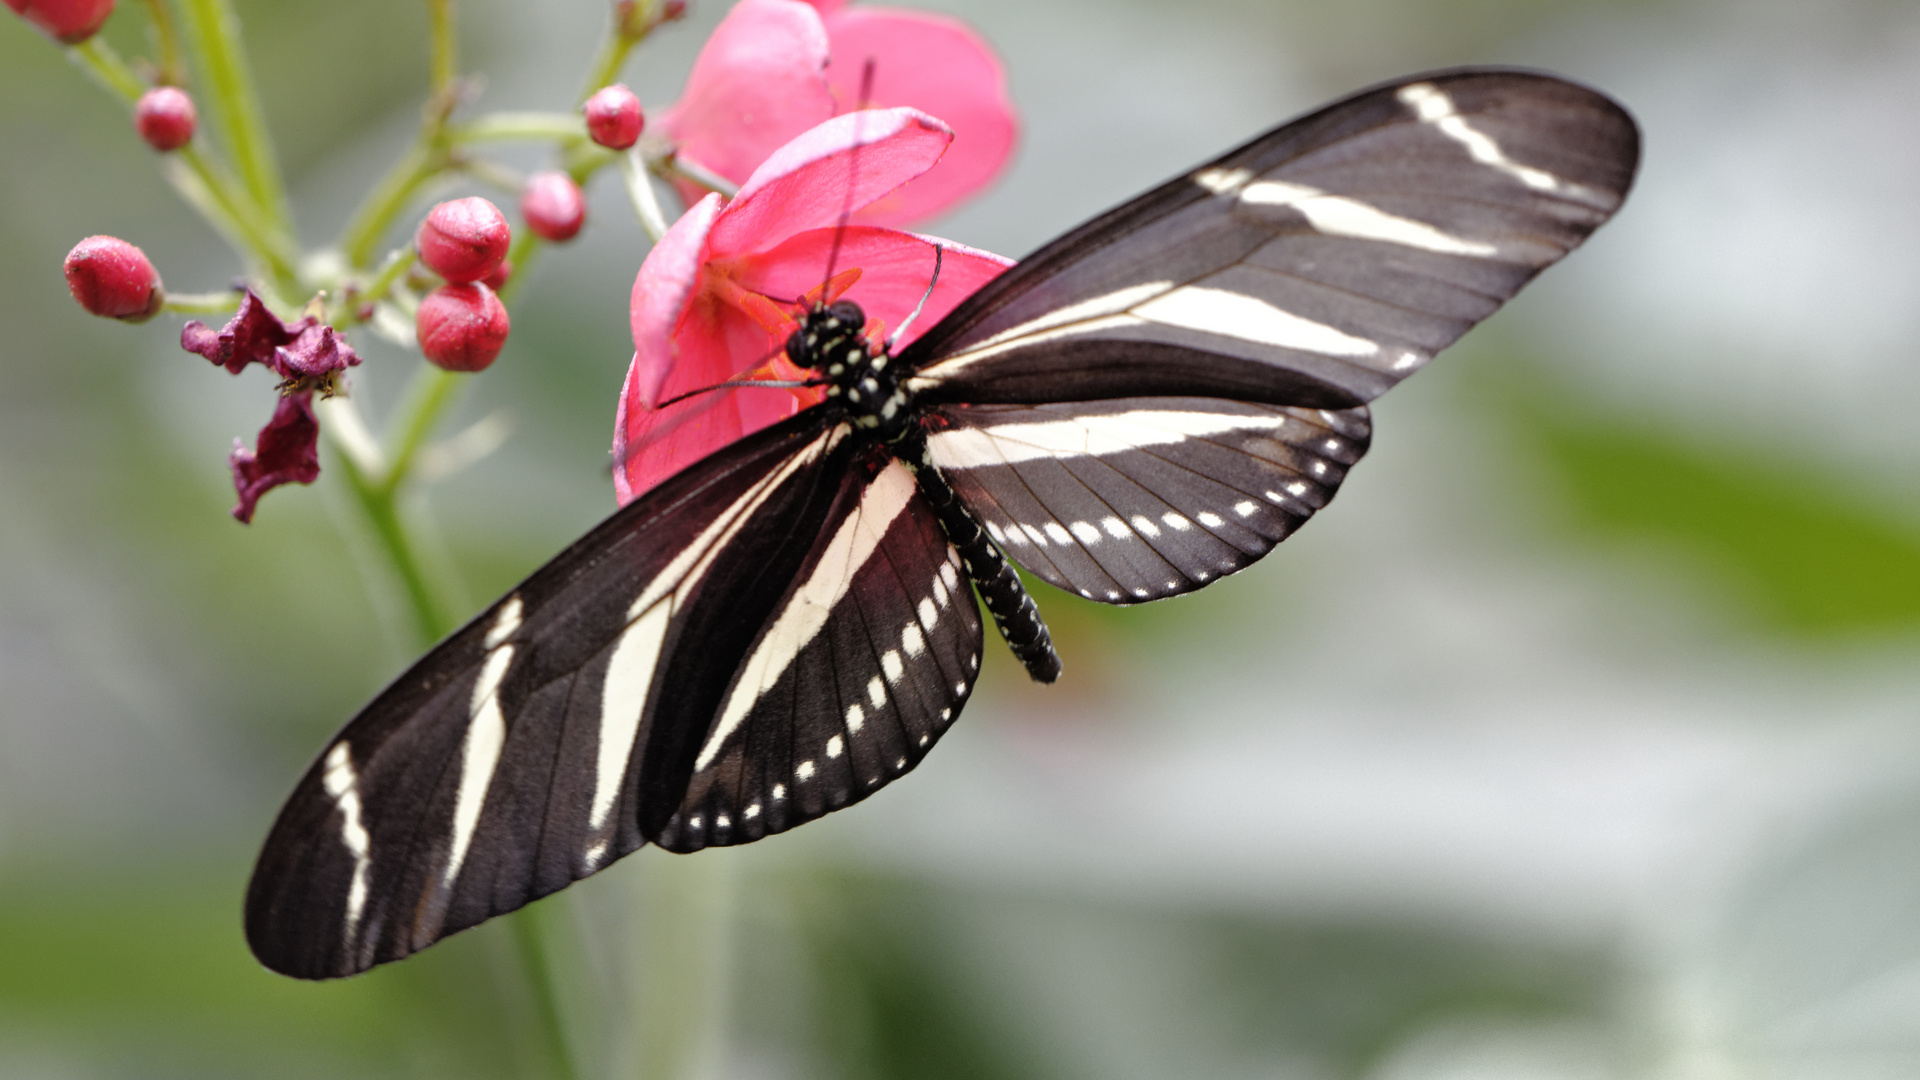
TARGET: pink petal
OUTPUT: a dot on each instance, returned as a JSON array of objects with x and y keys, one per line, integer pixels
[
  {"x": 660, "y": 293},
  {"x": 756, "y": 84},
  {"x": 828, "y": 7},
  {"x": 895, "y": 269},
  {"x": 715, "y": 342},
  {"x": 940, "y": 66},
  {"x": 805, "y": 184}
]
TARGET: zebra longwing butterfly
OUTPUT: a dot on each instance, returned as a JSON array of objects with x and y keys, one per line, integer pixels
[{"x": 1146, "y": 404}]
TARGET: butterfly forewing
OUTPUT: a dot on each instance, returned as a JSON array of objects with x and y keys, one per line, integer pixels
[
  {"x": 1139, "y": 498},
  {"x": 1317, "y": 265},
  {"x": 512, "y": 760},
  {"x": 866, "y": 661}
]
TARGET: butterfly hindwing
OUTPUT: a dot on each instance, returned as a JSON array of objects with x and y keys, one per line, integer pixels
[
  {"x": 1140, "y": 498},
  {"x": 509, "y": 761},
  {"x": 1317, "y": 265},
  {"x": 868, "y": 658}
]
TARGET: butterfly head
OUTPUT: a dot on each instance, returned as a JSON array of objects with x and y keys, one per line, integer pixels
[{"x": 828, "y": 335}]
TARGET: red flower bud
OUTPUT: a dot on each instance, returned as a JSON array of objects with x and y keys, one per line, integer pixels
[
  {"x": 463, "y": 240},
  {"x": 113, "y": 279},
  {"x": 69, "y": 22},
  {"x": 554, "y": 206},
  {"x": 614, "y": 119},
  {"x": 165, "y": 118},
  {"x": 461, "y": 327},
  {"x": 500, "y": 276},
  {"x": 673, "y": 9}
]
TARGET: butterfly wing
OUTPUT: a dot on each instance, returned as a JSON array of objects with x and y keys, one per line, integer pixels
[
  {"x": 866, "y": 660},
  {"x": 1315, "y": 266},
  {"x": 528, "y": 749},
  {"x": 1139, "y": 498}
]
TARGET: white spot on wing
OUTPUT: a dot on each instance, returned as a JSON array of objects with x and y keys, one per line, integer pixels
[
  {"x": 911, "y": 641},
  {"x": 1146, "y": 526},
  {"x": 1058, "y": 534},
  {"x": 890, "y": 663},
  {"x": 1039, "y": 538},
  {"x": 1100, "y": 433},
  {"x": 856, "y": 717},
  {"x": 752, "y": 811},
  {"x": 804, "y": 770},
  {"x": 1245, "y": 507},
  {"x": 343, "y": 785},
  {"x": 486, "y": 734},
  {"x": 1232, "y": 314},
  {"x": 1434, "y": 107},
  {"x": 506, "y": 623},
  {"x": 1210, "y": 519},
  {"x": 1178, "y": 523},
  {"x": 876, "y": 691},
  {"x": 802, "y": 619},
  {"x": 835, "y": 747},
  {"x": 999, "y": 537},
  {"x": 1116, "y": 528},
  {"x": 1336, "y": 215},
  {"x": 1088, "y": 533},
  {"x": 622, "y": 699}
]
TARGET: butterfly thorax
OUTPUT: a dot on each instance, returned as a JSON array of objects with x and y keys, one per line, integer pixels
[{"x": 865, "y": 381}]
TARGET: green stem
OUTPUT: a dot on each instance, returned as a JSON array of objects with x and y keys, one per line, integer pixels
[
  {"x": 166, "y": 40},
  {"x": 530, "y": 939},
  {"x": 631, "y": 21},
  {"x": 214, "y": 32},
  {"x": 426, "y": 398},
  {"x": 376, "y": 498},
  {"x": 398, "y": 263},
  {"x": 646, "y": 206},
  {"x": 197, "y": 176},
  {"x": 514, "y": 126},
  {"x": 213, "y": 303},
  {"x": 441, "y": 65},
  {"x": 98, "y": 59},
  {"x": 387, "y": 199}
]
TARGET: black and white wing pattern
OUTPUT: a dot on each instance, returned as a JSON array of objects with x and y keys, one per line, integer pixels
[
  {"x": 1140, "y": 498},
  {"x": 1316, "y": 266},
  {"x": 1147, "y": 404},
  {"x": 532, "y": 747},
  {"x": 872, "y": 652}
]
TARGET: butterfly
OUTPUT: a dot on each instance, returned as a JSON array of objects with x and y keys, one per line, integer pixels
[{"x": 1146, "y": 404}]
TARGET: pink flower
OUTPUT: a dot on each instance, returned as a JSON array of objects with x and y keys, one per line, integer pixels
[
  {"x": 308, "y": 355},
  {"x": 718, "y": 296},
  {"x": 774, "y": 68}
]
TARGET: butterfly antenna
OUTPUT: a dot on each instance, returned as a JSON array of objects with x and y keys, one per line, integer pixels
[
  {"x": 901, "y": 330},
  {"x": 853, "y": 171},
  {"x": 771, "y": 384}
]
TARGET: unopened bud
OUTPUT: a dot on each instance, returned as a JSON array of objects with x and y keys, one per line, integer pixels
[
  {"x": 554, "y": 206},
  {"x": 69, "y": 22},
  {"x": 614, "y": 119},
  {"x": 113, "y": 279},
  {"x": 464, "y": 240},
  {"x": 500, "y": 276},
  {"x": 461, "y": 327},
  {"x": 673, "y": 9},
  {"x": 165, "y": 117}
]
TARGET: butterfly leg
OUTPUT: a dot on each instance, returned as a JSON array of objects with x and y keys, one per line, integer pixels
[{"x": 1013, "y": 610}]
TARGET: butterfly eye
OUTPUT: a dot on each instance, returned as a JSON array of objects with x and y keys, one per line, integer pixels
[
  {"x": 848, "y": 312},
  {"x": 797, "y": 346}
]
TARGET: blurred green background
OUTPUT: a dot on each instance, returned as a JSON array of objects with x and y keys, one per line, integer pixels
[{"x": 1580, "y": 741}]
